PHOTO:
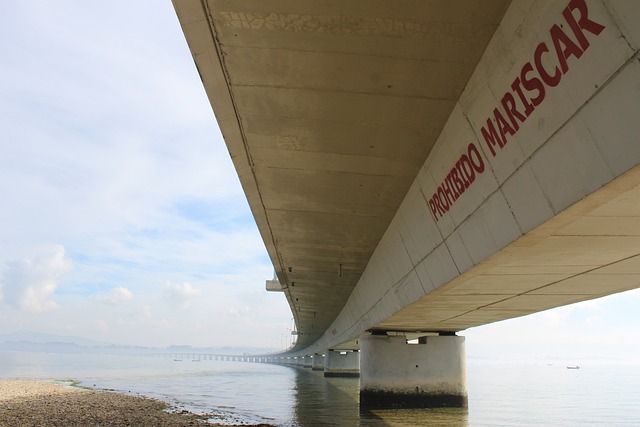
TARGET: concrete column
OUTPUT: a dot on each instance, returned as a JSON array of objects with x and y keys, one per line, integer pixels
[
  {"x": 307, "y": 361},
  {"x": 342, "y": 363},
  {"x": 394, "y": 374},
  {"x": 318, "y": 362}
]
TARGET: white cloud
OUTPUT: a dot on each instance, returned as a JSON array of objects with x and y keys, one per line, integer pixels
[
  {"x": 570, "y": 313},
  {"x": 146, "y": 312},
  {"x": 241, "y": 312},
  {"x": 182, "y": 294},
  {"x": 115, "y": 296},
  {"x": 102, "y": 325},
  {"x": 29, "y": 284},
  {"x": 139, "y": 166}
]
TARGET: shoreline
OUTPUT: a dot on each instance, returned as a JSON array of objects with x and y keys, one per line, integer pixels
[{"x": 35, "y": 403}]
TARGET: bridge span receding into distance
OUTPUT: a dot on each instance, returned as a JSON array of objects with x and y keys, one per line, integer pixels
[{"x": 421, "y": 167}]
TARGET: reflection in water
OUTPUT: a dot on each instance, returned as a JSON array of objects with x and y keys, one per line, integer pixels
[
  {"x": 334, "y": 402},
  {"x": 520, "y": 393}
]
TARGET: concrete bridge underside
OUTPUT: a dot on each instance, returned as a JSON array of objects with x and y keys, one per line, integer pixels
[{"x": 345, "y": 120}]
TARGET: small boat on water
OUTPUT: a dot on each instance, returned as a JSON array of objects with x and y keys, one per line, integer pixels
[{"x": 573, "y": 367}]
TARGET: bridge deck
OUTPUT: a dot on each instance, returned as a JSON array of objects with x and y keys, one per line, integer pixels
[{"x": 348, "y": 122}]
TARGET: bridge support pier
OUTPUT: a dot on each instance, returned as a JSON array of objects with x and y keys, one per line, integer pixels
[
  {"x": 395, "y": 374},
  {"x": 318, "y": 362},
  {"x": 307, "y": 362},
  {"x": 342, "y": 363}
]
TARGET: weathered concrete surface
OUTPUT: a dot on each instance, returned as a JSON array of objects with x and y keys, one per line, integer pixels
[
  {"x": 318, "y": 362},
  {"x": 394, "y": 374},
  {"x": 342, "y": 364},
  {"x": 435, "y": 166},
  {"x": 329, "y": 110},
  {"x": 552, "y": 219}
]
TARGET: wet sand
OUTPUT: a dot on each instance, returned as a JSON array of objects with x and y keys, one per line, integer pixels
[{"x": 31, "y": 403}]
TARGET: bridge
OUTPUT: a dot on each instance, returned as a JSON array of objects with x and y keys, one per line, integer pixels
[{"x": 422, "y": 167}]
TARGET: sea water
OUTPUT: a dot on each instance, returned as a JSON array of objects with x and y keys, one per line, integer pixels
[{"x": 524, "y": 393}]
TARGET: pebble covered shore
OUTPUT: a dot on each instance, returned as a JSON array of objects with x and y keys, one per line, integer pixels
[{"x": 31, "y": 403}]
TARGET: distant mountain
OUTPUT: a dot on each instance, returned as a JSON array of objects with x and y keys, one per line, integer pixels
[
  {"x": 42, "y": 338},
  {"x": 38, "y": 341}
]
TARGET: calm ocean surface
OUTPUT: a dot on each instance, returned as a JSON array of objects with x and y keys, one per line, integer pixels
[{"x": 500, "y": 394}]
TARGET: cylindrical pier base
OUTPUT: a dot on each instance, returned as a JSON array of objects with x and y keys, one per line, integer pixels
[
  {"x": 394, "y": 374},
  {"x": 342, "y": 364},
  {"x": 318, "y": 362}
]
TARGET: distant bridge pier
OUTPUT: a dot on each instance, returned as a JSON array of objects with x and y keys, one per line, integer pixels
[
  {"x": 307, "y": 361},
  {"x": 342, "y": 363},
  {"x": 396, "y": 374},
  {"x": 318, "y": 362}
]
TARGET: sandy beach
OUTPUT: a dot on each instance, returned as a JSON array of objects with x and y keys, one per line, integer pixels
[{"x": 32, "y": 403}]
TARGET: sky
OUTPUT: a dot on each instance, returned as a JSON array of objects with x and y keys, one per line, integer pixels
[{"x": 122, "y": 218}]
